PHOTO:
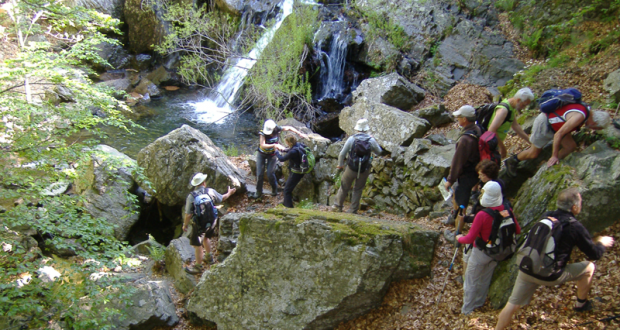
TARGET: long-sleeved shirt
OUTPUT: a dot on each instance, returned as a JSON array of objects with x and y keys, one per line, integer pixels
[
  {"x": 374, "y": 146},
  {"x": 467, "y": 154},
  {"x": 293, "y": 156},
  {"x": 482, "y": 226}
]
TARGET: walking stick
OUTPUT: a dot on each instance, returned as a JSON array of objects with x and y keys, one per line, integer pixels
[{"x": 459, "y": 218}]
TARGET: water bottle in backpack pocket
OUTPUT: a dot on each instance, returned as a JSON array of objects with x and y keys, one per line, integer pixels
[
  {"x": 501, "y": 244},
  {"x": 537, "y": 256},
  {"x": 205, "y": 212}
]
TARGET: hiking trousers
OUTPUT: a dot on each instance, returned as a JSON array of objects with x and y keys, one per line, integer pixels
[
  {"x": 260, "y": 171},
  {"x": 291, "y": 183},
  {"x": 477, "y": 280},
  {"x": 346, "y": 181}
]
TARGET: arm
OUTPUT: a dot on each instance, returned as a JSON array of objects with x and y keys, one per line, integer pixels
[
  {"x": 343, "y": 153},
  {"x": 475, "y": 230},
  {"x": 463, "y": 149},
  {"x": 287, "y": 156},
  {"x": 572, "y": 122},
  {"x": 264, "y": 145},
  {"x": 375, "y": 147},
  {"x": 517, "y": 128},
  {"x": 228, "y": 193},
  {"x": 294, "y": 130},
  {"x": 186, "y": 220},
  {"x": 498, "y": 120}
]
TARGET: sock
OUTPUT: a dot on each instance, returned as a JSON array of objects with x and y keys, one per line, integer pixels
[{"x": 580, "y": 302}]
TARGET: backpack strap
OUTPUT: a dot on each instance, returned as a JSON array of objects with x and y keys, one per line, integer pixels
[{"x": 507, "y": 106}]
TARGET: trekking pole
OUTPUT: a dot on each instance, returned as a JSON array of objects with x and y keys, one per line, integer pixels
[{"x": 456, "y": 250}]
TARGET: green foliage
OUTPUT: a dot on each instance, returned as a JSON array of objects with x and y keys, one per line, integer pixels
[
  {"x": 525, "y": 77},
  {"x": 305, "y": 204},
  {"x": 532, "y": 40},
  {"x": 505, "y": 5},
  {"x": 381, "y": 26},
  {"x": 231, "y": 151}
]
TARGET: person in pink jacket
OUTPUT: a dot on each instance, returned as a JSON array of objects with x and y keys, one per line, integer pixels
[{"x": 480, "y": 266}]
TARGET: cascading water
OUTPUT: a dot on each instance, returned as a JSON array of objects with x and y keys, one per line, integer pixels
[
  {"x": 219, "y": 104},
  {"x": 332, "y": 67}
]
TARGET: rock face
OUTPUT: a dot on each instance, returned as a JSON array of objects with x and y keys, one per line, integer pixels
[
  {"x": 113, "y": 8},
  {"x": 171, "y": 161},
  {"x": 390, "y": 126},
  {"x": 392, "y": 90},
  {"x": 152, "y": 306},
  {"x": 298, "y": 269},
  {"x": 178, "y": 253},
  {"x": 612, "y": 85},
  {"x": 105, "y": 184},
  {"x": 146, "y": 26}
]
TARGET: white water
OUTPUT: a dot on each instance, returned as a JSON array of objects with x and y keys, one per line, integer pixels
[
  {"x": 332, "y": 67},
  {"x": 219, "y": 103}
]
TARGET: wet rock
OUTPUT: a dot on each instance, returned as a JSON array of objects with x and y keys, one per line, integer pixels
[
  {"x": 392, "y": 90},
  {"x": 147, "y": 87}
]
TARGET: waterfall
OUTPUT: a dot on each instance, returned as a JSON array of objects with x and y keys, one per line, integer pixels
[
  {"x": 332, "y": 67},
  {"x": 219, "y": 102}
]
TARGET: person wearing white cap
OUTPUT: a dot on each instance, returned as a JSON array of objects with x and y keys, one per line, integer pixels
[
  {"x": 266, "y": 152},
  {"x": 196, "y": 236},
  {"x": 464, "y": 161},
  {"x": 480, "y": 266},
  {"x": 357, "y": 150}
]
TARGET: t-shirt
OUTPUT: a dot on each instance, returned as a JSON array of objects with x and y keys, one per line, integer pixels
[
  {"x": 189, "y": 201},
  {"x": 270, "y": 139},
  {"x": 503, "y": 129},
  {"x": 557, "y": 119}
]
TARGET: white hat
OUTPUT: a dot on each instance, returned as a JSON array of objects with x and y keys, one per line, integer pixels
[
  {"x": 491, "y": 194},
  {"x": 465, "y": 111},
  {"x": 198, "y": 179},
  {"x": 269, "y": 126},
  {"x": 362, "y": 125}
]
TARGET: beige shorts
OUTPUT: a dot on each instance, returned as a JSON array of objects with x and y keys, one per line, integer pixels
[
  {"x": 526, "y": 285},
  {"x": 541, "y": 132}
]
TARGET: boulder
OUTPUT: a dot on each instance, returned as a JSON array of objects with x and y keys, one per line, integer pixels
[
  {"x": 145, "y": 24},
  {"x": 106, "y": 184},
  {"x": 428, "y": 168},
  {"x": 118, "y": 84},
  {"x": 436, "y": 115},
  {"x": 392, "y": 90},
  {"x": 390, "y": 126},
  {"x": 179, "y": 253},
  {"x": 333, "y": 151},
  {"x": 251, "y": 8},
  {"x": 229, "y": 233},
  {"x": 117, "y": 56},
  {"x": 147, "y": 87},
  {"x": 159, "y": 75},
  {"x": 64, "y": 93},
  {"x": 612, "y": 85},
  {"x": 324, "y": 169},
  {"x": 152, "y": 306},
  {"x": 170, "y": 162},
  {"x": 303, "y": 269},
  {"x": 113, "y": 8}
]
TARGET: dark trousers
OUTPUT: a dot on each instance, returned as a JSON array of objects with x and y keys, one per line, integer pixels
[
  {"x": 291, "y": 183},
  {"x": 260, "y": 171}
]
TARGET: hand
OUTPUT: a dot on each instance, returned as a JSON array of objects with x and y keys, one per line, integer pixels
[
  {"x": 184, "y": 227},
  {"x": 231, "y": 191},
  {"x": 447, "y": 185},
  {"x": 552, "y": 161},
  {"x": 606, "y": 241},
  {"x": 339, "y": 167},
  {"x": 458, "y": 236}
]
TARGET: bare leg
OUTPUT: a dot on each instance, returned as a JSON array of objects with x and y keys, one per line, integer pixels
[
  {"x": 502, "y": 148},
  {"x": 584, "y": 284},
  {"x": 530, "y": 153},
  {"x": 505, "y": 316},
  {"x": 199, "y": 255},
  {"x": 568, "y": 145}
]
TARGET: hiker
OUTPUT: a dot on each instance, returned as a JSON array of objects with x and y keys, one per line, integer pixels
[
  {"x": 467, "y": 155},
  {"x": 573, "y": 234},
  {"x": 503, "y": 118},
  {"x": 557, "y": 127},
  {"x": 294, "y": 164},
  {"x": 480, "y": 266},
  {"x": 266, "y": 152},
  {"x": 197, "y": 235},
  {"x": 487, "y": 171},
  {"x": 357, "y": 150}
]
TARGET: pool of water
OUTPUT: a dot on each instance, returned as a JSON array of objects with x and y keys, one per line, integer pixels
[{"x": 178, "y": 108}]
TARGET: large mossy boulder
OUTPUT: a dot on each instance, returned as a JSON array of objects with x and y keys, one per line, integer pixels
[
  {"x": 393, "y": 90},
  {"x": 390, "y": 126},
  {"x": 303, "y": 269},
  {"x": 106, "y": 185},
  {"x": 170, "y": 162}
]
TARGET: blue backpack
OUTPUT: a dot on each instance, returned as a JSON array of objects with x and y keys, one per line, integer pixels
[
  {"x": 553, "y": 99},
  {"x": 205, "y": 212}
]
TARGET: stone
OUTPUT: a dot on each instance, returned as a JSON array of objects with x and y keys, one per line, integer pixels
[
  {"x": 437, "y": 115},
  {"x": 333, "y": 151},
  {"x": 421, "y": 212},
  {"x": 439, "y": 139},
  {"x": 612, "y": 85},
  {"x": 51, "y": 97},
  {"x": 64, "y": 93},
  {"x": 113, "y": 8},
  {"x": 377, "y": 54},
  {"x": 325, "y": 190},
  {"x": 170, "y": 162},
  {"x": 152, "y": 306},
  {"x": 429, "y": 167},
  {"x": 159, "y": 75},
  {"x": 304, "y": 269},
  {"x": 392, "y": 90},
  {"x": 118, "y": 84},
  {"x": 146, "y": 27},
  {"x": 325, "y": 169},
  {"x": 147, "y": 87},
  {"x": 178, "y": 254},
  {"x": 117, "y": 56},
  {"x": 48, "y": 274},
  {"x": 105, "y": 184},
  {"x": 251, "y": 8},
  {"x": 229, "y": 234},
  {"x": 417, "y": 147},
  {"x": 390, "y": 126}
]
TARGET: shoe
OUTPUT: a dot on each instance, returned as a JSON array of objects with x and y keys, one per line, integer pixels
[
  {"x": 449, "y": 236},
  {"x": 586, "y": 307},
  {"x": 256, "y": 195},
  {"x": 511, "y": 164},
  {"x": 195, "y": 270},
  {"x": 451, "y": 218},
  {"x": 209, "y": 260},
  {"x": 336, "y": 208}
]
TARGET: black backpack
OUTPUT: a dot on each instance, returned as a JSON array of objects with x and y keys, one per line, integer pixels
[
  {"x": 205, "y": 212},
  {"x": 485, "y": 112},
  {"x": 359, "y": 155},
  {"x": 502, "y": 243},
  {"x": 307, "y": 160},
  {"x": 537, "y": 256}
]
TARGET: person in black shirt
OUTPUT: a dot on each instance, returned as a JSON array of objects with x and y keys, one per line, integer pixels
[
  {"x": 573, "y": 234},
  {"x": 294, "y": 162}
]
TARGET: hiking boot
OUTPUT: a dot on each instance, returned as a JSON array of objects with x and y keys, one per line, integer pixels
[
  {"x": 336, "y": 208},
  {"x": 586, "y": 307},
  {"x": 194, "y": 270},
  {"x": 511, "y": 166},
  {"x": 256, "y": 195},
  {"x": 274, "y": 192},
  {"x": 449, "y": 236}
]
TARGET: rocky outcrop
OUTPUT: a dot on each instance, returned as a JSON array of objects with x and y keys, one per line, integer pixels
[
  {"x": 105, "y": 185},
  {"x": 299, "y": 269},
  {"x": 113, "y": 8},
  {"x": 170, "y": 162},
  {"x": 437, "y": 115},
  {"x": 145, "y": 24},
  {"x": 254, "y": 8},
  {"x": 392, "y": 90},
  {"x": 151, "y": 307},
  {"x": 390, "y": 126},
  {"x": 179, "y": 253},
  {"x": 612, "y": 85},
  {"x": 229, "y": 233}
]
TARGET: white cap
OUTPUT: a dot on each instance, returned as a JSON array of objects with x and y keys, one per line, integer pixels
[
  {"x": 465, "y": 111},
  {"x": 269, "y": 126},
  {"x": 362, "y": 125},
  {"x": 491, "y": 194},
  {"x": 198, "y": 179}
]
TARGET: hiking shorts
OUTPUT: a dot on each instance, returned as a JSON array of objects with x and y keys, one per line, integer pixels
[
  {"x": 541, "y": 132},
  {"x": 196, "y": 237},
  {"x": 526, "y": 285},
  {"x": 462, "y": 192}
]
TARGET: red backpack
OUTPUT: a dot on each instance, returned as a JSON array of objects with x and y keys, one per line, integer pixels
[{"x": 487, "y": 146}]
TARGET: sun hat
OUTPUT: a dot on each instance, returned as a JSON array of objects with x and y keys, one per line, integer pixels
[
  {"x": 491, "y": 194},
  {"x": 466, "y": 111},
  {"x": 362, "y": 125},
  {"x": 198, "y": 179},
  {"x": 269, "y": 126}
]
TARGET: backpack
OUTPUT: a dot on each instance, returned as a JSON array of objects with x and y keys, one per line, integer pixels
[
  {"x": 485, "y": 112},
  {"x": 537, "y": 255},
  {"x": 307, "y": 160},
  {"x": 502, "y": 243},
  {"x": 553, "y": 99},
  {"x": 205, "y": 212},
  {"x": 487, "y": 145},
  {"x": 359, "y": 155}
]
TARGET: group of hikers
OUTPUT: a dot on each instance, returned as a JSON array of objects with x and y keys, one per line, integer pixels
[{"x": 475, "y": 167}]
